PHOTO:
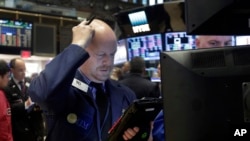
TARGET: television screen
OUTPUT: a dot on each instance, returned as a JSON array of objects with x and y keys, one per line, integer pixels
[
  {"x": 143, "y": 21},
  {"x": 148, "y": 47},
  {"x": 121, "y": 53},
  {"x": 179, "y": 41},
  {"x": 242, "y": 40},
  {"x": 206, "y": 93},
  {"x": 15, "y": 33},
  {"x": 139, "y": 22}
]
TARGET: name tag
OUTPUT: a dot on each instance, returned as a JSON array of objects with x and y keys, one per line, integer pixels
[{"x": 80, "y": 85}]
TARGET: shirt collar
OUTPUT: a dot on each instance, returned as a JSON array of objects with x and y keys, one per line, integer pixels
[
  {"x": 16, "y": 81},
  {"x": 86, "y": 79}
]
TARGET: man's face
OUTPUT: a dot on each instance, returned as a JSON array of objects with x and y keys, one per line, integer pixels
[
  {"x": 101, "y": 60},
  {"x": 126, "y": 67},
  {"x": 19, "y": 70},
  {"x": 213, "y": 41},
  {"x": 4, "y": 80}
]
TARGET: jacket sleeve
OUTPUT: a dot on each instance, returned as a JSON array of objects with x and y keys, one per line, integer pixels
[
  {"x": 52, "y": 85},
  {"x": 158, "y": 130},
  {"x": 4, "y": 134}
]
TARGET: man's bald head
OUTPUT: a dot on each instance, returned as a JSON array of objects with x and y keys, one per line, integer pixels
[{"x": 102, "y": 31}]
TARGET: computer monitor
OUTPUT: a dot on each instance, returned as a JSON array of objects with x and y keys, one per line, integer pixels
[
  {"x": 148, "y": 47},
  {"x": 179, "y": 41},
  {"x": 242, "y": 40},
  {"x": 206, "y": 93},
  {"x": 121, "y": 53},
  {"x": 143, "y": 20},
  {"x": 15, "y": 33},
  {"x": 139, "y": 22}
]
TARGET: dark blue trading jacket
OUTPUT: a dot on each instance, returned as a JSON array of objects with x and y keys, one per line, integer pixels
[
  {"x": 63, "y": 103},
  {"x": 158, "y": 130}
]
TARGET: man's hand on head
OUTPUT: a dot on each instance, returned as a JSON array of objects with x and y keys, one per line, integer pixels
[{"x": 82, "y": 34}]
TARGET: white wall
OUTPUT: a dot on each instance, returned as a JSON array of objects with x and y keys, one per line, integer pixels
[{"x": 34, "y": 64}]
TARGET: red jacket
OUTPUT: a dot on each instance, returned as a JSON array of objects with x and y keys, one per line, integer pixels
[{"x": 5, "y": 119}]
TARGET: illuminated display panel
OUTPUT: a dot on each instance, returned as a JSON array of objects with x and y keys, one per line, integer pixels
[
  {"x": 179, "y": 41},
  {"x": 15, "y": 33},
  {"x": 148, "y": 47},
  {"x": 121, "y": 53}
]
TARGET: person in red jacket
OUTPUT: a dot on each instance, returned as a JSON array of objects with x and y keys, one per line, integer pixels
[{"x": 5, "y": 111}]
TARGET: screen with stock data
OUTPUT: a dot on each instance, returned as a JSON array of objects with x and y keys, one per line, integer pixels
[{"x": 15, "y": 33}]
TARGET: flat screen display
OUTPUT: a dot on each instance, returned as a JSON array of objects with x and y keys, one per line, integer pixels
[
  {"x": 148, "y": 47},
  {"x": 182, "y": 41},
  {"x": 15, "y": 33},
  {"x": 139, "y": 22},
  {"x": 179, "y": 41},
  {"x": 242, "y": 40},
  {"x": 121, "y": 53}
]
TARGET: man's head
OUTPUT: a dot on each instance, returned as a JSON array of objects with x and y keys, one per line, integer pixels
[
  {"x": 213, "y": 41},
  {"x": 101, "y": 50},
  {"x": 126, "y": 67},
  {"x": 4, "y": 74},
  {"x": 18, "y": 68},
  {"x": 137, "y": 65}
]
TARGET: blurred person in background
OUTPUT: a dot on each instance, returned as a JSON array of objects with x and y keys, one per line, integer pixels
[
  {"x": 136, "y": 81},
  {"x": 5, "y": 111},
  {"x": 116, "y": 73},
  {"x": 27, "y": 121},
  {"x": 125, "y": 69}
]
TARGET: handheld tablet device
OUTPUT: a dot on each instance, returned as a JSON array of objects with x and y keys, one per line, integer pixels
[{"x": 139, "y": 114}]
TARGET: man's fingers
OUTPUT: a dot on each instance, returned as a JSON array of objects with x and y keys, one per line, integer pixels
[{"x": 130, "y": 133}]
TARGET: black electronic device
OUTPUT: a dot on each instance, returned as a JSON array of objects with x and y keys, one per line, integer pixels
[
  {"x": 143, "y": 21},
  {"x": 44, "y": 37},
  {"x": 139, "y": 114},
  {"x": 217, "y": 17},
  {"x": 206, "y": 93}
]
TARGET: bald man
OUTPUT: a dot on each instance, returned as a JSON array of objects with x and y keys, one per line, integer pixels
[
  {"x": 213, "y": 41},
  {"x": 70, "y": 87}
]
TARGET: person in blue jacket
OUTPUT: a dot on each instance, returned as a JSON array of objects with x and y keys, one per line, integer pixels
[{"x": 64, "y": 91}]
